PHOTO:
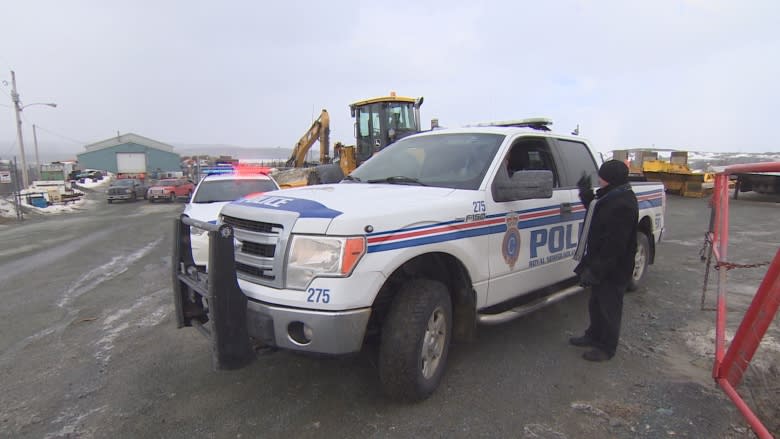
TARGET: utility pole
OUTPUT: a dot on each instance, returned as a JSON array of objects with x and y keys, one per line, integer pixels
[
  {"x": 37, "y": 162},
  {"x": 17, "y": 194},
  {"x": 17, "y": 111}
]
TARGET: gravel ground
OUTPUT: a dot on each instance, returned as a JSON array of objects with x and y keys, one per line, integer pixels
[{"x": 89, "y": 349}]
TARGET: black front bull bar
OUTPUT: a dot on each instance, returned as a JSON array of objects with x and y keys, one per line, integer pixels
[{"x": 211, "y": 302}]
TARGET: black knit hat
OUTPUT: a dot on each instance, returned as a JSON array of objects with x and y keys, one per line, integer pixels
[{"x": 614, "y": 172}]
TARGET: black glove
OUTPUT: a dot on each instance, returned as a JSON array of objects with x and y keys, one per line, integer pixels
[
  {"x": 586, "y": 189},
  {"x": 587, "y": 278},
  {"x": 584, "y": 184}
]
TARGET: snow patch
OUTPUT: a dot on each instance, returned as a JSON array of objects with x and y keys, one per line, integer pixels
[
  {"x": 154, "y": 318},
  {"x": 106, "y": 344},
  {"x": 703, "y": 345},
  {"x": 72, "y": 419},
  {"x": 98, "y": 275}
]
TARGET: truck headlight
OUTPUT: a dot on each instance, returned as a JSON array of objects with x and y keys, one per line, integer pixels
[
  {"x": 314, "y": 256},
  {"x": 128, "y": 191}
]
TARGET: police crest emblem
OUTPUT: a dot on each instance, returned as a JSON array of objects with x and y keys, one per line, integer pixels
[{"x": 510, "y": 247}]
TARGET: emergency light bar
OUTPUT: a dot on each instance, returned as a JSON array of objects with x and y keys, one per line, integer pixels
[
  {"x": 537, "y": 123},
  {"x": 238, "y": 170}
]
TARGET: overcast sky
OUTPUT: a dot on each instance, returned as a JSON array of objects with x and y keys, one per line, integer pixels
[{"x": 700, "y": 75}]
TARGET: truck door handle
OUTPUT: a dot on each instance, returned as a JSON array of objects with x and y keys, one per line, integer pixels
[{"x": 565, "y": 208}]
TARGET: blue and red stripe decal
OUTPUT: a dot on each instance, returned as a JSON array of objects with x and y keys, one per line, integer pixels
[{"x": 492, "y": 224}]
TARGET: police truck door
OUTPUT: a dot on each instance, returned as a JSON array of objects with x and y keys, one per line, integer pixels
[{"x": 538, "y": 235}]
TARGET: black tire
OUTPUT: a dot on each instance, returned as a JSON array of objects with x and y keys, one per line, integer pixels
[
  {"x": 110, "y": 201},
  {"x": 135, "y": 197},
  {"x": 325, "y": 174},
  {"x": 415, "y": 340},
  {"x": 641, "y": 260},
  {"x": 172, "y": 197}
]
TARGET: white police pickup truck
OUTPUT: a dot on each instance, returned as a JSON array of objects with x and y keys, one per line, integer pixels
[{"x": 438, "y": 232}]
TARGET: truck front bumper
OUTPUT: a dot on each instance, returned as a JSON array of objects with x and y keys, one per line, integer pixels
[
  {"x": 154, "y": 196},
  {"x": 120, "y": 197},
  {"x": 323, "y": 332}
]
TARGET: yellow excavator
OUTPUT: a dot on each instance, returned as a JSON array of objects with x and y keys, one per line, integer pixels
[
  {"x": 319, "y": 130},
  {"x": 379, "y": 122}
]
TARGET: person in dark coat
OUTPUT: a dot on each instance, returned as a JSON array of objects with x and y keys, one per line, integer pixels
[{"x": 606, "y": 251}]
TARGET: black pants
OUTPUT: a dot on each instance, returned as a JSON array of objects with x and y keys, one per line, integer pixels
[{"x": 606, "y": 309}]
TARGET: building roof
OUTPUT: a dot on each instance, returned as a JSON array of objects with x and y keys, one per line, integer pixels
[{"x": 121, "y": 139}]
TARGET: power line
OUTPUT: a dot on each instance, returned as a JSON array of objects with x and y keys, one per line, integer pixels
[
  {"x": 10, "y": 151},
  {"x": 61, "y": 136}
]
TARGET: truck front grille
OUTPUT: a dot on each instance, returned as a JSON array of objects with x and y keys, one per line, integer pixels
[
  {"x": 254, "y": 272},
  {"x": 259, "y": 258},
  {"x": 262, "y": 250},
  {"x": 253, "y": 226}
]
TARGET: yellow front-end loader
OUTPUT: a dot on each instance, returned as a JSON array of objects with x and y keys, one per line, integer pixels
[{"x": 378, "y": 122}]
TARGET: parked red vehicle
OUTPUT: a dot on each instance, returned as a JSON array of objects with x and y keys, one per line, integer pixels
[{"x": 170, "y": 189}]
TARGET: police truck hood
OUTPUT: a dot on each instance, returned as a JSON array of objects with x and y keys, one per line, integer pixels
[{"x": 344, "y": 209}]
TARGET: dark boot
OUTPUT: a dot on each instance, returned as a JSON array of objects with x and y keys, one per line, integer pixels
[
  {"x": 596, "y": 355},
  {"x": 585, "y": 340}
]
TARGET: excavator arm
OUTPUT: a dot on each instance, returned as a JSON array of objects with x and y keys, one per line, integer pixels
[{"x": 319, "y": 130}]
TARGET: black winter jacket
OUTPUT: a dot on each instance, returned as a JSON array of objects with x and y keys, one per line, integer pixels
[{"x": 611, "y": 245}]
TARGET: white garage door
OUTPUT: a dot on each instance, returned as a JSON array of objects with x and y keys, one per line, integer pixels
[{"x": 130, "y": 162}]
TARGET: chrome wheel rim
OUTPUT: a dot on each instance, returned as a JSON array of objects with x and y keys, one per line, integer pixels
[
  {"x": 639, "y": 261},
  {"x": 433, "y": 343}
]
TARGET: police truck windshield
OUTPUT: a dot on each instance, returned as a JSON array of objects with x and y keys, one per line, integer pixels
[
  {"x": 229, "y": 190},
  {"x": 458, "y": 161}
]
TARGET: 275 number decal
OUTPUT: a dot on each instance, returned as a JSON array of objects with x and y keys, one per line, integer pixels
[{"x": 317, "y": 295}]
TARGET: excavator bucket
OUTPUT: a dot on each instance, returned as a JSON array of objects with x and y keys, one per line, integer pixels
[{"x": 297, "y": 177}]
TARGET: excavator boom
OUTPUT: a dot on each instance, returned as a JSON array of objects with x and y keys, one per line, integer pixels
[{"x": 319, "y": 130}]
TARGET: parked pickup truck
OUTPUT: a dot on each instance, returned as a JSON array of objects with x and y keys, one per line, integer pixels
[
  {"x": 170, "y": 189},
  {"x": 126, "y": 189},
  {"x": 437, "y": 233}
]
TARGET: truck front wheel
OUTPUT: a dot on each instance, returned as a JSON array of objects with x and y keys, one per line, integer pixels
[
  {"x": 641, "y": 260},
  {"x": 415, "y": 340}
]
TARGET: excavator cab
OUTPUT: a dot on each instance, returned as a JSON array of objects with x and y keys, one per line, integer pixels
[{"x": 382, "y": 121}]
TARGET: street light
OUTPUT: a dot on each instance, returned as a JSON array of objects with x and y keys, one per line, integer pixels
[
  {"x": 18, "y": 110},
  {"x": 48, "y": 104}
]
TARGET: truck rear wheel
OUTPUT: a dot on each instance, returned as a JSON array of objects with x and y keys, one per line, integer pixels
[
  {"x": 641, "y": 259},
  {"x": 415, "y": 340}
]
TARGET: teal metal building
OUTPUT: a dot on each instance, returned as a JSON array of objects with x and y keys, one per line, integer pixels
[{"x": 130, "y": 153}]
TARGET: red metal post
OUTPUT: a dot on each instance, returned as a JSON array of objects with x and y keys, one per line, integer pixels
[
  {"x": 748, "y": 414},
  {"x": 721, "y": 243},
  {"x": 757, "y": 319}
]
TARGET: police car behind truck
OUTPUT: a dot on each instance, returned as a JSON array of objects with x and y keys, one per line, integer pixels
[
  {"x": 438, "y": 232},
  {"x": 219, "y": 187}
]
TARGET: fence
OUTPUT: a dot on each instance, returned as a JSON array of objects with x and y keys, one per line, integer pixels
[{"x": 731, "y": 364}]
